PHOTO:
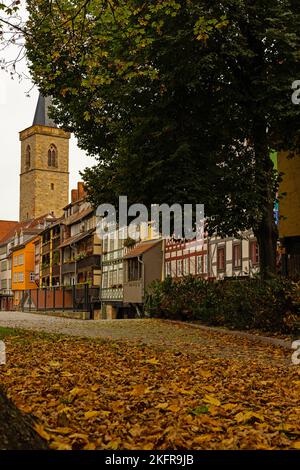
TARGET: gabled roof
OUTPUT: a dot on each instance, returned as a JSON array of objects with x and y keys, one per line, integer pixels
[
  {"x": 28, "y": 226},
  {"x": 23, "y": 245},
  {"x": 6, "y": 226},
  {"x": 41, "y": 117},
  {"x": 141, "y": 248},
  {"x": 78, "y": 216},
  {"x": 76, "y": 238}
]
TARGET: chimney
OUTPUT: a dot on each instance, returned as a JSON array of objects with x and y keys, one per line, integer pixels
[
  {"x": 74, "y": 195},
  {"x": 81, "y": 192}
]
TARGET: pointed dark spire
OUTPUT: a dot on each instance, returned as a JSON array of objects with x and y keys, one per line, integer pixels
[{"x": 41, "y": 117}]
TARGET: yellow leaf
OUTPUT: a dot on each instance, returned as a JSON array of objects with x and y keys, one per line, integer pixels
[
  {"x": 91, "y": 414},
  {"x": 54, "y": 364},
  {"x": 162, "y": 406},
  {"x": 41, "y": 432},
  {"x": 139, "y": 390},
  {"x": 90, "y": 446},
  {"x": 174, "y": 408},
  {"x": 229, "y": 406},
  {"x": 67, "y": 374},
  {"x": 80, "y": 436},
  {"x": 76, "y": 392},
  {"x": 118, "y": 406},
  {"x": 95, "y": 387},
  {"x": 135, "y": 431},
  {"x": 148, "y": 446},
  {"x": 205, "y": 373},
  {"x": 114, "y": 445},
  {"x": 211, "y": 400},
  {"x": 152, "y": 361},
  {"x": 202, "y": 438},
  {"x": 243, "y": 417},
  {"x": 61, "y": 430},
  {"x": 58, "y": 445}
]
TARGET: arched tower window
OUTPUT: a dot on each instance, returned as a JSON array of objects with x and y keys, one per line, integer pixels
[
  {"x": 28, "y": 157},
  {"x": 52, "y": 156}
]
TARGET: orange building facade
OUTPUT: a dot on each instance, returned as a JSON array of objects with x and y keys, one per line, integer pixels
[{"x": 23, "y": 269}]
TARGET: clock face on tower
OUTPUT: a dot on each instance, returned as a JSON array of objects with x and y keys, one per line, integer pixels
[{"x": 44, "y": 179}]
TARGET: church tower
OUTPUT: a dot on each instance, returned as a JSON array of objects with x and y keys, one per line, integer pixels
[{"x": 44, "y": 179}]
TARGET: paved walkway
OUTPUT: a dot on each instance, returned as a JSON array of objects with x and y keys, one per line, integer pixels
[{"x": 202, "y": 341}]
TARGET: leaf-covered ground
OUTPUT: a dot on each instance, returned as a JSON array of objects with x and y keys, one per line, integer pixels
[{"x": 181, "y": 389}]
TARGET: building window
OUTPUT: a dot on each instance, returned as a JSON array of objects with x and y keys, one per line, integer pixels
[
  {"x": 3, "y": 266},
  {"x": 28, "y": 157},
  {"x": 105, "y": 245},
  {"x": 221, "y": 258},
  {"x": 52, "y": 156},
  {"x": 15, "y": 260},
  {"x": 15, "y": 277},
  {"x": 199, "y": 265},
  {"x": 236, "y": 256},
  {"x": 134, "y": 271},
  {"x": 168, "y": 269},
  {"x": 105, "y": 280},
  {"x": 21, "y": 260},
  {"x": 254, "y": 253},
  {"x": 205, "y": 264},
  {"x": 180, "y": 270},
  {"x": 52, "y": 186},
  {"x": 21, "y": 277},
  {"x": 186, "y": 266},
  {"x": 120, "y": 276}
]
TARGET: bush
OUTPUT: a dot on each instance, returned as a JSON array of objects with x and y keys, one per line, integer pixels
[{"x": 268, "y": 305}]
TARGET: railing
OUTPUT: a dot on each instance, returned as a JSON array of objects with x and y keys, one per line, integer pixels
[
  {"x": 290, "y": 266},
  {"x": 93, "y": 261},
  {"x": 45, "y": 271},
  {"x": 73, "y": 298},
  {"x": 112, "y": 293},
  {"x": 46, "y": 248},
  {"x": 55, "y": 243},
  {"x": 68, "y": 268},
  {"x": 56, "y": 270}
]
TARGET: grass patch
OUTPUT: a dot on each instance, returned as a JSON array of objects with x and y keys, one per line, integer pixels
[
  {"x": 20, "y": 334},
  {"x": 5, "y": 332}
]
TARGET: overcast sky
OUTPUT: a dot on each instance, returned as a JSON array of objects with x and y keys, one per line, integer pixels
[{"x": 16, "y": 114}]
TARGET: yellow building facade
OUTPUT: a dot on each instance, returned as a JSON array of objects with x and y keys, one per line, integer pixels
[{"x": 289, "y": 223}]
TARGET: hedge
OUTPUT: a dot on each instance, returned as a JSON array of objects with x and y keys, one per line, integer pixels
[{"x": 267, "y": 305}]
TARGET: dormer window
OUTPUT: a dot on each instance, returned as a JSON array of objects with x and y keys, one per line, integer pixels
[
  {"x": 28, "y": 157},
  {"x": 52, "y": 156}
]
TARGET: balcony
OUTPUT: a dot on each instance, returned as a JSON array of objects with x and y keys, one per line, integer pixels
[
  {"x": 93, "y": 261},
  {"x": 113, "y": 294},
  {"x": 56, "y": 270},
  {"x": 133, "y": 292},
  {"x": 55, "y": 243},
  {"x": 46, "y": 248},
  {"x": 68, "y": 267},
  {"x": 45, "y": 271}
]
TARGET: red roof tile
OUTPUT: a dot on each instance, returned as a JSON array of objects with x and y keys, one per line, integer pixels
[
  {"x": 29, "y": 226},
  {"x": 6, "y": 226}
]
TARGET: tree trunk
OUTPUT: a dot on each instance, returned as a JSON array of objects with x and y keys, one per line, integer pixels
[
  {"x": 266, "y": 230},
  {"x": 267, "y": 234},
  {"x": 16, "y": 429}
]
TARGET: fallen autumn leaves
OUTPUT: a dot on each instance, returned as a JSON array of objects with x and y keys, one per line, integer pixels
[{"x": 89, "y": 394}]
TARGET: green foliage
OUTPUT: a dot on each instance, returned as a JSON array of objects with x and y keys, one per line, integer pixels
[
  {"x": 167, "y": 93},
  {"x": 268, "y": 305}
]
